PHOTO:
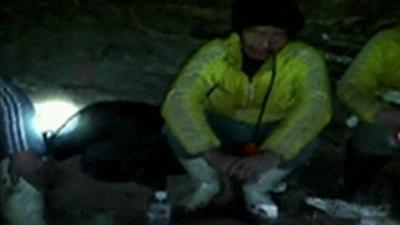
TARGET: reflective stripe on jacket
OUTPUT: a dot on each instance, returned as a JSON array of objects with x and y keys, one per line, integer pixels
[
  {"x": 374, "y": 71},
  {"x": 212, "y": 80}
]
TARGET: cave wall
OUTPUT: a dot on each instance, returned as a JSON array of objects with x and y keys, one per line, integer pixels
[{"x": 103, "y": 50}]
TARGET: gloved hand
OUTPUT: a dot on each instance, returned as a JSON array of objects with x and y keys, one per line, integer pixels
[
  {"x": 219, "y": 160},
  {"x": 251, "y": 167},
  {"x": 27, "y": 165}
]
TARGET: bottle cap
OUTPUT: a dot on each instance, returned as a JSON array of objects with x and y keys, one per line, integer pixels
[{"x": 160, "y": 195}]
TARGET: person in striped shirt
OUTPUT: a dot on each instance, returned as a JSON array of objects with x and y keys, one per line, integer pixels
[{"x": 21, "y": 148}]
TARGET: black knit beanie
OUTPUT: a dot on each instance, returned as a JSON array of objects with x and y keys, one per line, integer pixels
[{"x": 283, "y": 14}]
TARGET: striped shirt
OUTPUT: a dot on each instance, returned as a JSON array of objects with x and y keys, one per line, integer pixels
[{"x": 13, "y": 122}]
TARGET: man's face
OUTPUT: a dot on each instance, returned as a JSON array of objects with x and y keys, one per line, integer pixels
[{"x": 260, "y": 42}]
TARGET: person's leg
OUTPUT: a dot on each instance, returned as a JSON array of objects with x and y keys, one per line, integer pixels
[
  {"x": 258, "y": 194},
  {"x": 232, "y": 136},
  {"x": 205, "y": 177},
  {"x": 368, "y": 150},
  {"x": 373, "y": 139}
]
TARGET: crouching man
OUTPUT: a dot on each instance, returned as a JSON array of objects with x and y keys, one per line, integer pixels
[
  {"x": 370, "y": 88},
  {"x": 21, "y": 146},
  {"x": 259, "y": 86}
]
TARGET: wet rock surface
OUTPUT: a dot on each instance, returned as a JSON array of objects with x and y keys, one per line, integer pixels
[{"x": 103, "y": 50}]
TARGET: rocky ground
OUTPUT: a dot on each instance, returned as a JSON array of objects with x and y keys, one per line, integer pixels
[{"x": 75, "y": 198}]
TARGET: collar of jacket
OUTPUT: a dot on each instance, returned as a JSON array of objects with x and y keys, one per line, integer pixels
[{"x": 234, "y": 54}]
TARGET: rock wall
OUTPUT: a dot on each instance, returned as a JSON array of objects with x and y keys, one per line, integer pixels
[{"x": 103, "y": 50}]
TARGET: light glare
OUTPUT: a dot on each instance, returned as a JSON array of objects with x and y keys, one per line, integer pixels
[{"x": 51, "y": 115}]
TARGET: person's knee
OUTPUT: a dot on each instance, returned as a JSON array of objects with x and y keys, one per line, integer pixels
[
  {"x": 372, "y": 139},
  {"x": 23, "y": 205},
  {"x": 302, "y": 157},
  {"x": 178, "y": 150}
]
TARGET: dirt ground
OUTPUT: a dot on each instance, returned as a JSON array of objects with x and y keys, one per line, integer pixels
[{"x": 76, "y": 198}]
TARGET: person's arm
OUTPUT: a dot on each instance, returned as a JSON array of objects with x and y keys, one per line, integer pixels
[
  {"x": 222, "y": 162},
  {"x": 183, "y": 108},
  {"x": 312, "y": 108},
  {"x": 358, "y": 86},
  {"x": 23, "y": 162},
  {"x": 251, "y": 167},
  {"x": 13, "y": 120}
]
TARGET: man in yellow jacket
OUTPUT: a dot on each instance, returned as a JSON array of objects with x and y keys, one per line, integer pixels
[
  {"x": 257, "y": 86},
  {"x": 371, "y": 90}
]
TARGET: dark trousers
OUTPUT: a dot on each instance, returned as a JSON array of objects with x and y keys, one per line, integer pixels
[
  {"x": 233, "y": 135},
  {"x": 368, "y": 151}
]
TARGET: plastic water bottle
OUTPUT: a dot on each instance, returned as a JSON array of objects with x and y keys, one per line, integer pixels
[{"x": 159, "y": 212}]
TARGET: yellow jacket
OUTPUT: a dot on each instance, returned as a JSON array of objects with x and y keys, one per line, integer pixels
[
  {"x": 212, "y": 80},
  {"x": 374, "y": 72}
]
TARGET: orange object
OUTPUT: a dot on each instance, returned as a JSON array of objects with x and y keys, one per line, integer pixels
[{"x": 249, "y": 149}]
